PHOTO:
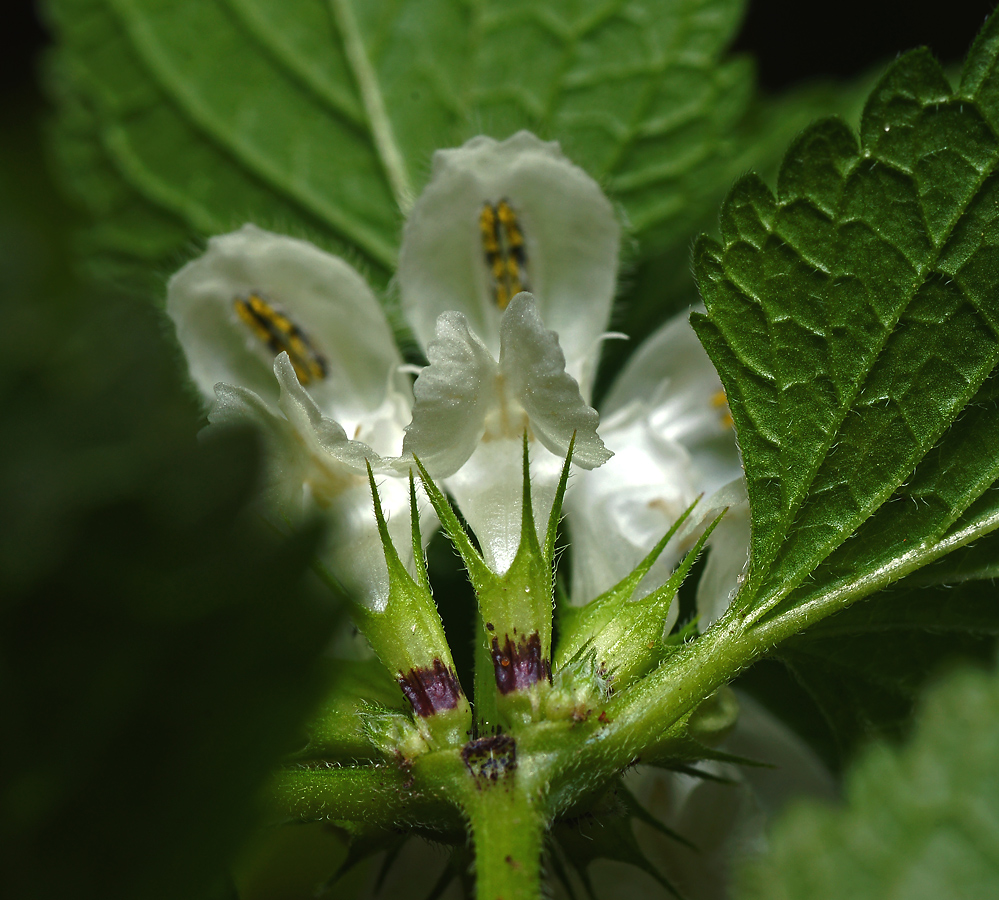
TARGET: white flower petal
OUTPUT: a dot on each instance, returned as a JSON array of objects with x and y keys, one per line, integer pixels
[
  {"x": 489, "y": 492},
  {"x": 672, "y": 377},
  {"x": 285, "y": 472},
  {"x": 354, "y": 552},
  {"x": 728, "y": 551},
  {"x": 618, "y": 513},
  {"x": 533, "y": 367},
  {"x": 453, "y": 396},
  {"x": 318, "y": 434},
  {"x": 792, "y": 768},
  {"x": 665, "y": 419},
  {"x": 313, "y": 467},
  {"x": 569, "y": 231},
  {"x": 321, "y": 295}
]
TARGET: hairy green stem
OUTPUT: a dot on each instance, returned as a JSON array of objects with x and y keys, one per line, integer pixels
[{"x": 508, "y": 823}]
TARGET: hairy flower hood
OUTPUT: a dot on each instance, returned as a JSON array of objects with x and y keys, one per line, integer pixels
[
  {"x": 290, "y": 338},
  {"x": 570, "y": 240}
]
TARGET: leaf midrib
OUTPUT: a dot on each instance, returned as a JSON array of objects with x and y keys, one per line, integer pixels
[{"x": 187, "y": 101}]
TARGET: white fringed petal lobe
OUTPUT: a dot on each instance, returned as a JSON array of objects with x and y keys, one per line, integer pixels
[
  {"x": 570, "y": 234},
  {"x": 472, "y": 410},
  {"x": 453, "y": 395},
  {"x": 534, "y": 373},
  {"x": 323, "y": 295},
  {"x": 466, "y": 395}
]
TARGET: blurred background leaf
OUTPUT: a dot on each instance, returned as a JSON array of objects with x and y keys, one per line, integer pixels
[
  {"x": 919, "y": 821},
  {"x": 158, "y": 648}
]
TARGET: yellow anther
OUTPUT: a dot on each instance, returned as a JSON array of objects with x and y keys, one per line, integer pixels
[
  {"x": 280, "y": 334},
  {"x": 506, "y": 255},
  {"x": 720, "y": 401}
]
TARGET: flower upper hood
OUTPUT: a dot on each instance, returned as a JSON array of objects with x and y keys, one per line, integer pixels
[
  {"x": 305, "y": 299},
  {"x": 499, "y": 217}
]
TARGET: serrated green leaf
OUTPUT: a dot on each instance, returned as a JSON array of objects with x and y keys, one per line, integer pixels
[
  {"x": 659, "y": 285},
  {"x": 853, "y": 316},
  {"x": 919, "y": 822},
  {"x": 320, "y": 117}
]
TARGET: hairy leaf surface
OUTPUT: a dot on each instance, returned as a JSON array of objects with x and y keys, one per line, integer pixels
[{"x": 853, "y": 317}]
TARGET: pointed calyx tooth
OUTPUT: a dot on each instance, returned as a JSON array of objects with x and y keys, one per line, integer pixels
[
  {"x": 431, "y": 689},
  {"x": 519, "y": 665}
]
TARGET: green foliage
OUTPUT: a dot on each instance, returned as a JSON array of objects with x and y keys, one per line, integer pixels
[
  {"x": 852, "y": 315},
  {"x": 853, "y": 320},
  {"x": 866, "y": 666},
  {"x": 185, "y": 119},
  {"x": 918, "y": 822}
]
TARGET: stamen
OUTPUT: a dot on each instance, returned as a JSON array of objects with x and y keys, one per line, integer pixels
[
  {"x": 280, "y": 334},
  {"x": 720, "y": 401},
  {"x": 505, "y": 251}
]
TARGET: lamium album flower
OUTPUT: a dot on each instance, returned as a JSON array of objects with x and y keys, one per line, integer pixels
[
  {"x": 262, "y": 319},
  {"x": 506, "y": 276},
  {"x": 508, "y": 240}
]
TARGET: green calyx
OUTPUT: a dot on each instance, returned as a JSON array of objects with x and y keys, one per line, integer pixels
[
  {"x": 408, "y": 638},
  {"x": 554, "y": 726},
  {"x": 622, "y": 637},
  {"x": 513, "y": 645}
]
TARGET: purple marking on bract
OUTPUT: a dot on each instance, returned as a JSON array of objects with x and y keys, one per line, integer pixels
[
  {"x": 521, "y": 665},
  {"x": 431, "y": 689},
  {"x": 490, "y": 758}
]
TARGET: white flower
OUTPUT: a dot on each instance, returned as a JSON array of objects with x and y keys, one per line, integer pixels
[
  {"x": 293, "y": 339},
  {"x": 498, "y": 219},
  {"x": 666, "y": 420},
  {"x": 556, "y": 237},
  {"x": 471, "y": 413},
  {"x": 324, "y": 297}
]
